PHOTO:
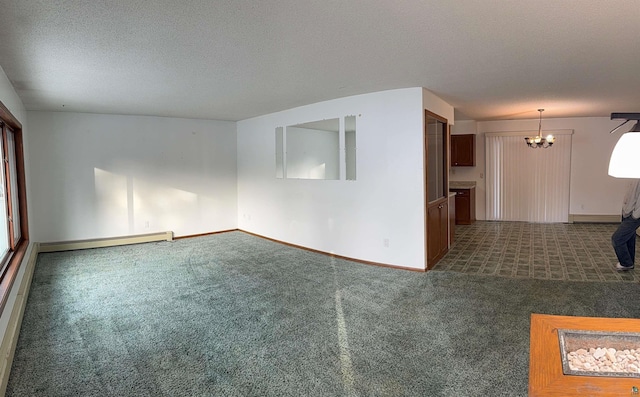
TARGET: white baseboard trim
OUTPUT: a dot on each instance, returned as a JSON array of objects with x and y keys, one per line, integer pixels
[
  {"x": 16, "y": 307},
  {"x": 577, "y": 218},
  {"x": 105, "y": 242}
]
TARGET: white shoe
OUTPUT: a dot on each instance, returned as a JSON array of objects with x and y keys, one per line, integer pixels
[{"x": 623, "y": 268}]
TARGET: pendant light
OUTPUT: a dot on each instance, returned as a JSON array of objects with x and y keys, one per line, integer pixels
[{"x": 539, "y": 141}]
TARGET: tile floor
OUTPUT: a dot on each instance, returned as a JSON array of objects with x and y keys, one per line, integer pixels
[{"x": 559, "y": 251}]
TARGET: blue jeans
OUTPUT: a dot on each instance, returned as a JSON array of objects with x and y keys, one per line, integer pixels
[{"x": 624, "y": 241}]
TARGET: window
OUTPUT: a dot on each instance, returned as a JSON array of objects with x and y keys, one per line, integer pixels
[{"x": 14, "y": 231}]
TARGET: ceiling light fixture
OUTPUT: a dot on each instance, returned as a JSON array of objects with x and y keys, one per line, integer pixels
[
  {"x": 625, "y": 161},
  {"x": 538, "y": 140}
]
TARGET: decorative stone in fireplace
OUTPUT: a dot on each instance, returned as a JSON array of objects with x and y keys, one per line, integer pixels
[{"x": 601, "y": 342}]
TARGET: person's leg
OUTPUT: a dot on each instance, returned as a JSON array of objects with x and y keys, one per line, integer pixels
[
  {"x": 631, "y": 246},
  {"x": 623, "y": 241}
]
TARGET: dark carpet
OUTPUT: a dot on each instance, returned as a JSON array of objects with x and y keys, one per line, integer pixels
[{"x": 235, "y": 315}]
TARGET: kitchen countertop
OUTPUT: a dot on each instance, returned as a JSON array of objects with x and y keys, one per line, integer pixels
[{"x": 461, "y": 184}]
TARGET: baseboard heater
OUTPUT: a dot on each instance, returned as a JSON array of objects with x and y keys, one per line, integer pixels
[
  {"x": 576, "y": 218},
  {"x": 105, "y": 242},
  {"x": 14, "y": 310}
]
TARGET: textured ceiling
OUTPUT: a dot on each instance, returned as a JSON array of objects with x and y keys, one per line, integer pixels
[{"x": 230, "y": 60}]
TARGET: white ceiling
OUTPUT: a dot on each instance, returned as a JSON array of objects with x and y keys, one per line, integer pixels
[{"x": 233, "y": 59}]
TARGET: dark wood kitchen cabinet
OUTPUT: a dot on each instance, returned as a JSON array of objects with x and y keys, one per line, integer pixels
[
  {"x": 463, "y": 150},
  {"x": 465, "y": 205}
]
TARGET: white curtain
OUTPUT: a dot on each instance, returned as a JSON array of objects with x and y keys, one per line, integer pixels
[{"x": 525, "y": 184}]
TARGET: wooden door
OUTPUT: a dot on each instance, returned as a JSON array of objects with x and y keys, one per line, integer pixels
[
  {"x": 436, "y": 151},
  {"x": 433, "y": 239},
  {"x": 437, "y": 231}
]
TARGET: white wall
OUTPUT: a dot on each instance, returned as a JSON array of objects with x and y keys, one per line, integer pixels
[
  {"x": 350, "y": 218},
  {"x": 99, "y": 176},
  {"x": 434, "y": 104},
  {"x": 592, "y": 190},
  {"x": 11, "y": 100}
]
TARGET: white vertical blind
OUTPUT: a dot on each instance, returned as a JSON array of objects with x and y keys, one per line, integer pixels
[{"x": 525, "y": 184}]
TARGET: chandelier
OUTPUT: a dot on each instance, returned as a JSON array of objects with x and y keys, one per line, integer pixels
[{"x": 539, "y": 140}]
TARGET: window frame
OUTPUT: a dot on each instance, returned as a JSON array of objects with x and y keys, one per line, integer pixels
[{"x": 10, "y": 263}]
